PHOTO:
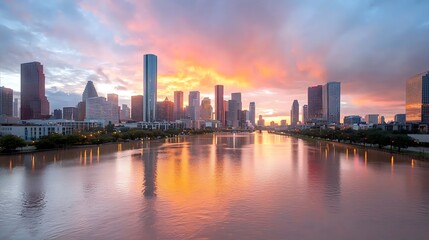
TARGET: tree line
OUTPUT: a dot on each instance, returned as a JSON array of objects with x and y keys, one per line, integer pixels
[
  {"x": 370, "y": 137},
  {"x": 9, "y": 143}
]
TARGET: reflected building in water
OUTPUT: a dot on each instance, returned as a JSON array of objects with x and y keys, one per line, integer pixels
[{"x": 149, "y": 157}]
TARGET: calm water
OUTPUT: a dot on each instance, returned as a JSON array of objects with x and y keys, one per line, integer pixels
[{"x": 250, "y": 186}]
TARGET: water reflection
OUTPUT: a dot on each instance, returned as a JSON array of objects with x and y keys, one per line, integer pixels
[{"x": 149, "y": 158}]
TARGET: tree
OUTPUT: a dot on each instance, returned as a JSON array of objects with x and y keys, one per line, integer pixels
[{"x": 11, "y": 142}]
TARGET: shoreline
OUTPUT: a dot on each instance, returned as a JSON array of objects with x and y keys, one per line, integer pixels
[{"x": 413, "y": 154}]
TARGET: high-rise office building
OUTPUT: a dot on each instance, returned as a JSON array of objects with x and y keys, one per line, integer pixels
[
  {"x": 137, "y": 108},
  {"x": 417, "y": 98},
  {"x": 34, "y": 104},
  {"x": 232, "y": 114},
  {"x": 353, "y": 119},
  {"x": 194, "y": 105},
  {"x": 81, "y": 111},
  {"x": 125, "y": 113},
  {"x": 261, "y": 121},
  {"x": 114, "y": 99},
  {"x": 89, "y": 91},
  {"x": 70, "y": 113},
  {"x": 331, "y": 93},
  {"x": 206, "y": 109},
  {"x": 149, "y": 87},
  {"x": 252, "y": 113},
  {"x": 237, "y": 98},
  {"x": 98, "y": 108},
  {"x": 58, "y": 114},
  {"x": 400, "y": 118},
  {"x": 294, "y": 113},
  {"x": 178, "y": 105},
  {"x": 219, "y": 105},
  {"x": 6, "y": 101},
  {"x": 315, "y": 107},
  {"x": 304, "y": 114},
  {"x": 165, "y": 111},
  {"x": 16, "y": 107},
  {"x": 371, "y": 118}
]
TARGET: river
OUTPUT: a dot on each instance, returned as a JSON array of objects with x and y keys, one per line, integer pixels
[{"x": 221, "y": 186}]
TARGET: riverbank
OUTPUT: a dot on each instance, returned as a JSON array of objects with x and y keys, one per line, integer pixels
[{"x": 418, "y": 155}]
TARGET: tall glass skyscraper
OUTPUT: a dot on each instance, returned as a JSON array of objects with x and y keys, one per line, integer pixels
[
  {"x": 178, "y": 105},
  {"x": 331, "y": 102},
  {"x": 315, "y": 108},
  {"x": 149, "y": 87},
  {"x": 294, "y": 113},
  {"x": 252, "y": 113},
  {"x": 34, "y": 104},
  {"x": 219, "y": 109},
  {"x": 417, "y": 98}
]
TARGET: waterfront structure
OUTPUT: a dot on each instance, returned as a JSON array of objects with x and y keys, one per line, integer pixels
[
  {"x": 331, "y": 94},
  {"x": 89, "y": 91},
  {"x": 149, "y": 87},
  {"x": 315, "y": 102},
  {"x": 125, "y": 113},
  {"x": 261, "y": 121},
  {"x": 194, "y": 105},
  {"x": 417, "y": 98},
  {"x": 371, "y": 118},
  {"x": 294, "y": 113},
  {"x": 98, "y": 108},
  {"x": 353, "y": 119},
  {"x": 178, "y": 105},
  {"x": 165, "y": 111},
  {"x": 6, "y": 101},
  {"x": 252, "y": 113},
  {"x": 305, "y": 114},
  {"x": 206, "y": 109},
  {"x": 58, "y": 114},
  {"x": 137, "y": 108},
  {"x": 34, "y": 104},
  {"x": 400, "y": 118},
  {"x": 219, "y": 105},
  {"x": 30, "y": 132}
]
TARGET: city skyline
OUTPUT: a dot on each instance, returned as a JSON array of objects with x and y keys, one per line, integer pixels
[{"x": 356, "y": 50}]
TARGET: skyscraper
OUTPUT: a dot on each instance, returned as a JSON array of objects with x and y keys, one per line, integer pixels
[
  {"x": 125, "y": 113},
  {"x": 137, "y": 108},
  {"x": 6, "y": 101},
  {"x": 194, "y": 105},
  {"x": 331, "y": 102},
  {"x": 149, "y": 87},
  {"x": 206, "y": 109},
  {"x": 304, "y": 114},
  {"x": 16, "y": 107},
  {"x": 34, "y": 104},
  {"x": 89, "y": 91},
  {"x": 400, "y": 118},
  {"x": 178, "y": 105},
  {"x": 114, "y": 99},
  {"x": 98, "y": 108},
  {"x": 70, "y": 113},
  {"x": 315, "y": 106},
  {"x": 165, "y": 111},
  {"x": 239, "y": 106},
  {"x": 58, "y": 114},
  {"x": 417, "y": 98},
  {"x": 252, "y": 113},
  {"x": 232, "y": 114},
  {"x": 294, "y": 113},
  {"x": 219, "y": 105}
]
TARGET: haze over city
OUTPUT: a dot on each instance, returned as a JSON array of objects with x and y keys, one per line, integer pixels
[{"x": 271, "y": 51}]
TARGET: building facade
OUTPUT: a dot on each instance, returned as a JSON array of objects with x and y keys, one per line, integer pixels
[
  {"x": 194, "y": 105},
  {"x": 34, "y": 104},
  {"x": 417, "y": 98},
  {"x": 98, "y": 108},
  {"x": 206, "y": 109},
  {"x": 371, "y": 118},
  {"x": 70, "y": 113},
  {"x": 315, "y": 102},
  {"x": 137, "y": 108},
  {"x": 331, "y": 94},
  {"x": 219, "y": 105},
  {"x": 294, "y": 113},
  {"x": 351, "y": 120},
  {"x": 400, "y": 118},
  {"x": 165, "y": 111},
  {"x": 178, "y": 105},
  {"x": 252, "y": 113},
  {"x": 6, "y": 101},
  {"x": 150, "y": 87},
  {"x": 305, "y": 114}
]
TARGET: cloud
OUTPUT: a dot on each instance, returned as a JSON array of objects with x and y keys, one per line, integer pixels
[{"x": 372, "y": 47}]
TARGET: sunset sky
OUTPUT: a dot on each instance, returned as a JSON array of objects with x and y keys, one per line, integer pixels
[{"x": 270, "y": 50}]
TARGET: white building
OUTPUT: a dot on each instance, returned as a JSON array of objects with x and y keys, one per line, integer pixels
[
  {"x": 331, "y": 101},
  {"x": 98, "y": 108},
  {"x": 30, "y": 132}
]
